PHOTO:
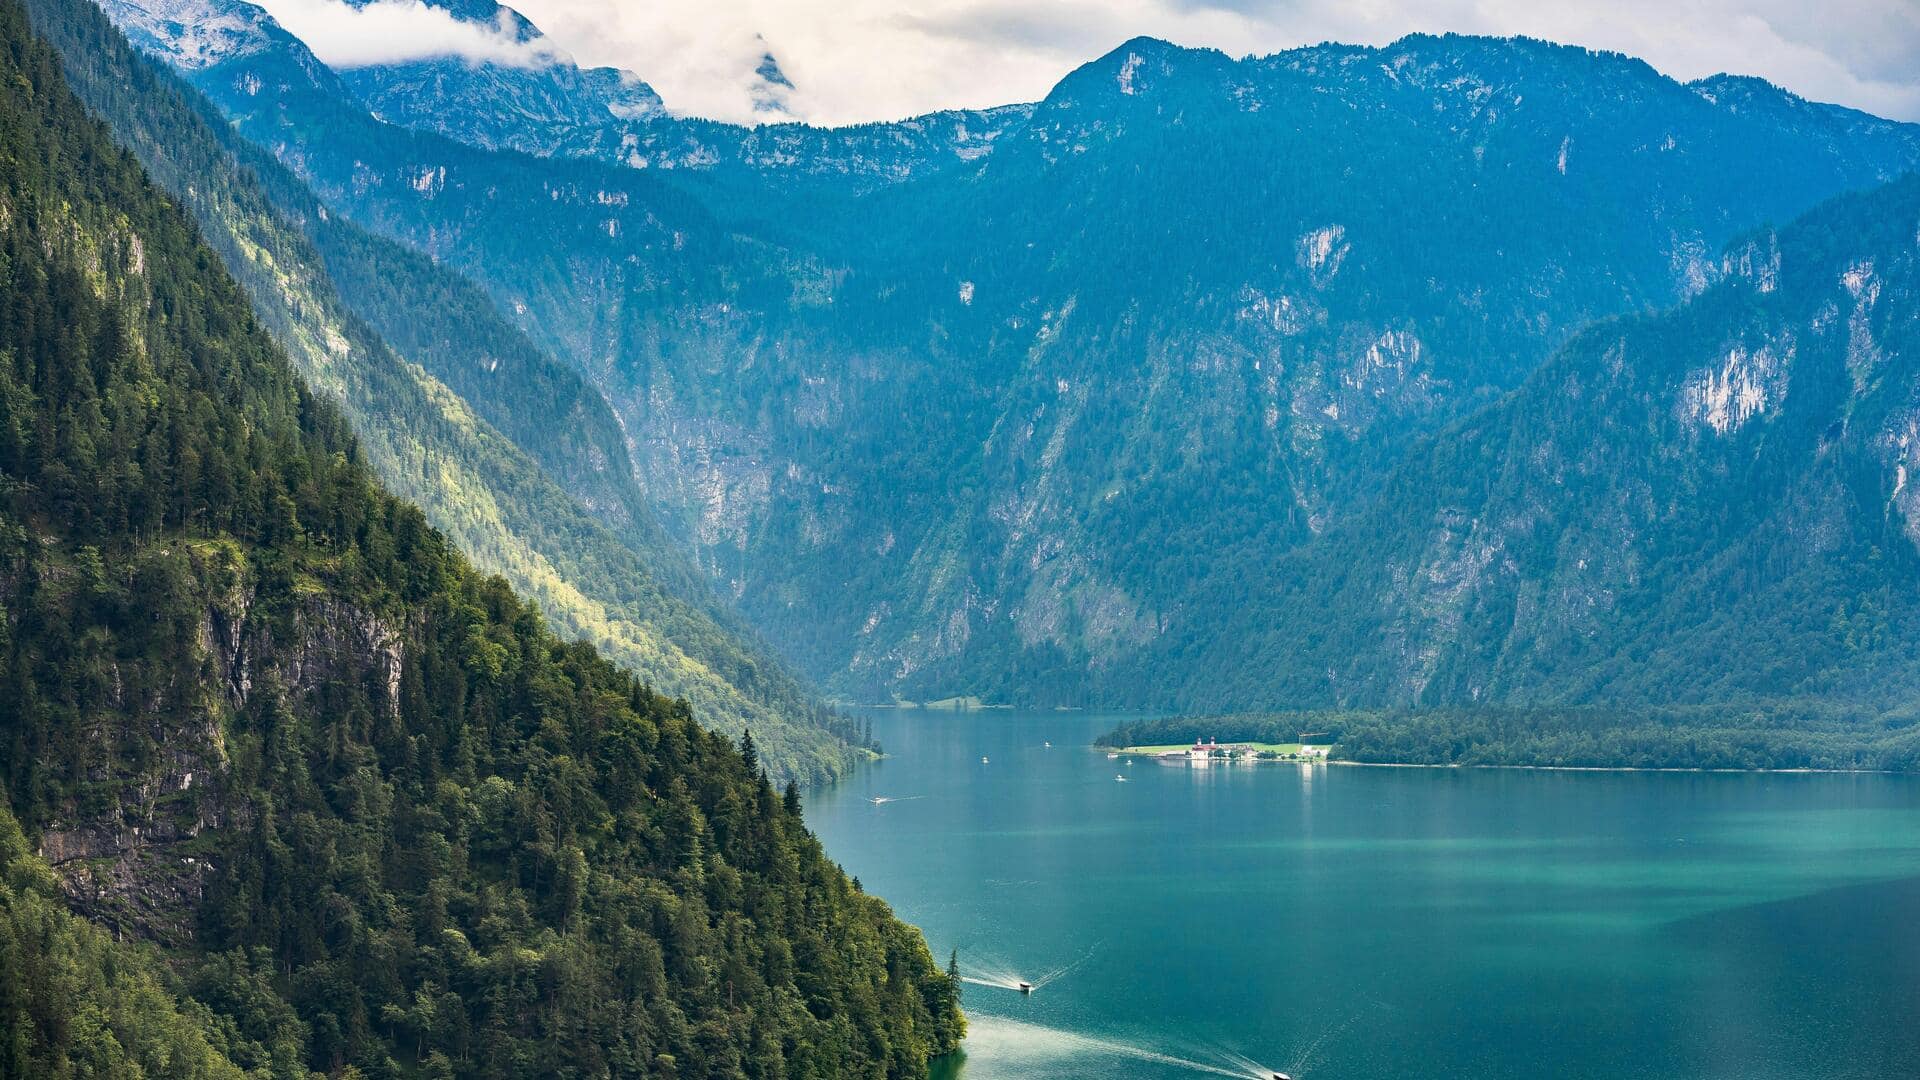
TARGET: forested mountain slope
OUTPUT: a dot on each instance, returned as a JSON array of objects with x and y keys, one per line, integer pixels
[
  {"x": 994, "y": 427},
  {"x": 554, "y": 505},
  {"x": 76, "y": 1002},
  {"x": 1711, "y": 505},
  {"x": 258, "y": 713}
]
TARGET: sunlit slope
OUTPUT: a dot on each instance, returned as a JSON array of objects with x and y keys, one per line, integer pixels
[{"x": 533, "y": 481}]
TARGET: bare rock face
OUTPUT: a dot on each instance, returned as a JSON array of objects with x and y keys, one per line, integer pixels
[
  {"x": 134, "y": 883},
  {"x": 338, "y": 641},
  {"x": 139, "y": 859},
  {"x": 130, "y": 863}
]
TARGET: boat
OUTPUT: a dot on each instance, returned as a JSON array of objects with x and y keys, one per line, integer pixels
[
  {"x": 983, "y": 761},
  {"x": 1110, "y": 757},
  {"x": 1026, "y": 988},
  {"x": 1049, "y": 746},
  {"x": 1120, "y": 778}
]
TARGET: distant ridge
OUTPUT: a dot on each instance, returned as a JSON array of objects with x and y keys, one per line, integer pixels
[{"x": 1039, "y": 417}]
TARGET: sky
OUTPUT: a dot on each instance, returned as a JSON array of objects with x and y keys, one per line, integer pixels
[{"x": 858, "y": 60}]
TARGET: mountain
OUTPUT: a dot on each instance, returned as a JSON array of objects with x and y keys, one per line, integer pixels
[
  {"x": 1022, "y": 425},
  {"x": 539, "y": 101},
  {"x": 333, "y": 800},
  {"x": 535, "y": 89},
  {"x": 508, "y": 450},
  {"x": 771, "y": 90},
  {"x": 1708, "y": 505}
]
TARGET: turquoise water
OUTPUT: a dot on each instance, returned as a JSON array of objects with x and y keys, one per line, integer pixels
[{"x": 1342, "y": 923}]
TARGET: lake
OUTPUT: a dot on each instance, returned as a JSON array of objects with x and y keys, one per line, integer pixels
[{"x": 1343, "y": 922}]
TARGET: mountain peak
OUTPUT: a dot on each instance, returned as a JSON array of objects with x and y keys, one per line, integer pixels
[
  {"x": 769, "y": 71},
  {"x": 1148, "y": 45},
  {"x": 770, "y": 89},
  {"x": 1732, "y": 91},
  {"x": 1152, "y": 50},
  {"x": 193, "y": 34},
  {"x": 498, "y": 97},
  {"x": 480, "y": 12},
  {"x": 1130, "y": 69}
]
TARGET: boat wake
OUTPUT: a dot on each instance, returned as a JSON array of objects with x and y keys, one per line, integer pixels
[
  {"x": 988, "y": 971},
  {"x": 1304, "y": 1059},
  {"x": 991, "y": 980},
  {"x": 1016, "y": 1039},
  {"x": 882, "y": 800},
  {"x": 1036, "y": 1044},
  {"x": 1062, "y": 971}
]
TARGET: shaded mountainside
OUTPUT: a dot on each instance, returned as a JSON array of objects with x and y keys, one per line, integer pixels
[
  {"x": 509, "y": 451},
  {"x": 1707, "y": 505},
  {"x": 1022, "y": 425},
  {"x": 1087, "y": 416},
  {"x": 368, "y": 809}
]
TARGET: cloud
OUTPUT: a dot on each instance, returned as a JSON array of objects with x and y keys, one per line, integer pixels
[
  {"x": 396, "y": 31},
  {"x": 856, "y": 60}
]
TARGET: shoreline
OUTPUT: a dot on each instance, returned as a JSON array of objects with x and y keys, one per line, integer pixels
[
  {"x": 1618, "y": 768},
  {"x": 1704, "y": 769}
]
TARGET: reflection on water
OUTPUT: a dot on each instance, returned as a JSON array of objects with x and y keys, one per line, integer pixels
[{"x": 1378, "y": 923}]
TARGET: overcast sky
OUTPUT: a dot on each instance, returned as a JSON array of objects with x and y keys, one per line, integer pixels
[{"x": 853, "y": 60}]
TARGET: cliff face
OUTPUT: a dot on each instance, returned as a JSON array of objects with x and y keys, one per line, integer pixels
[
  {"x": 1712, "y": 504},
  {"x": 128, "y": 848}
]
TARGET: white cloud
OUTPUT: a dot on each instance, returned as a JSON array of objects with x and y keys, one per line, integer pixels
[
  {"x": 393, "y": 31},
  {"x": 853, "y": 60}
]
